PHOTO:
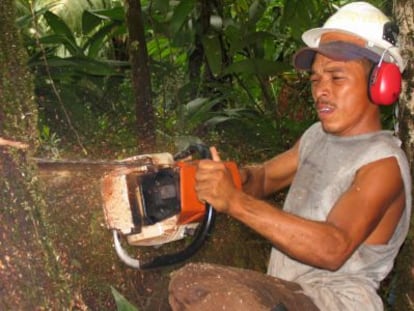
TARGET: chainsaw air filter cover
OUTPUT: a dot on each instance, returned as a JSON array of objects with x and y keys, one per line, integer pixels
[{"x": 159, "y": 195}]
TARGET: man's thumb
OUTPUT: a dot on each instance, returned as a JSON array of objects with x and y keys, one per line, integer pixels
[{"x": 214, "y": 154}]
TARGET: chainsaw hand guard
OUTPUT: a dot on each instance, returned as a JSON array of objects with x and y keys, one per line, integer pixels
[{"x": 155, "y": 203}]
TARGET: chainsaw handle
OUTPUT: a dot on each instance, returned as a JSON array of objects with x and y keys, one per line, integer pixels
[
  {"x": 122, "y": 254},
  {"x": 202, "y": 150},
  {"x": 170, "y": 259},
  {"x": 202, "y": 232}
]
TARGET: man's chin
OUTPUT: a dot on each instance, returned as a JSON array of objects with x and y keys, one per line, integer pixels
[{"x": 330, "y": 128}]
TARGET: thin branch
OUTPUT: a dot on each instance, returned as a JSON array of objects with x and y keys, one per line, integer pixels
[{"x": 13, "y": 143}]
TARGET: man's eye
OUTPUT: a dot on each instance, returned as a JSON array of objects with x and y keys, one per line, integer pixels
[
  {"x": 314, "y": 79},
  {"x": 337, "y": 78}
]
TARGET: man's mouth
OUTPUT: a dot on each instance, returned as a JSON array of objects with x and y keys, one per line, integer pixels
[{"x": 323, "y": 107}]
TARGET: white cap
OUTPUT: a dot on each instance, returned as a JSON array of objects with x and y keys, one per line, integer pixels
[{"x": 365, "y": 21}]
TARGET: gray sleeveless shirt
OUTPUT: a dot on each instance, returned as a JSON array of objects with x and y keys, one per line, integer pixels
[{"x": 327, "y": 167}]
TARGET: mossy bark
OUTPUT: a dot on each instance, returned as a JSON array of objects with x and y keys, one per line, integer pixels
[
  {"x": 403, "y": 291},
  {"x": 29, "y": 274}
]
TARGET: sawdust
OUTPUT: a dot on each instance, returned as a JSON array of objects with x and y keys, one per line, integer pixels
[{"x": 85, "y": 245}]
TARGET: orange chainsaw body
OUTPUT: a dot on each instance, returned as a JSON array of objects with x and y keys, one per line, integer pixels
[{"x": 191, "y": 208}]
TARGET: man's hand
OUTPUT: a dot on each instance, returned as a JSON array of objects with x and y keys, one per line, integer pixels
[{"x": 214, "y": 183}]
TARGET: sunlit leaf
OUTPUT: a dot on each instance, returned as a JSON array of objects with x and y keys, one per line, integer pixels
[
  {"x": 214, "y": 121},
  {"x": 196, "y": 103}
]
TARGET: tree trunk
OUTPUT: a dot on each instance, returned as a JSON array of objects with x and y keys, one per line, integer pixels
[
  {"x": 141, "y": 77},
  {"x": 196, "y": 57},
  {"x": 404, "y": 13},
  {"x": 29, "y": 274}
]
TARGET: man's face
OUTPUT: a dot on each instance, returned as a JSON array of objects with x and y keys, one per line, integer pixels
[{"x": 339, "y": 89}]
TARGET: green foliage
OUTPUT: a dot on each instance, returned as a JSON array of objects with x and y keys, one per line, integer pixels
[
  {"x": 74, "y": 71},
  {"x": 244, "y": 83},
  {"x": 121, "y": 303},
  {"x": 49, "y": 143}
]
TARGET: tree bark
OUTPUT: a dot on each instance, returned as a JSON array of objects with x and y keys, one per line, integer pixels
[
  {"x": 196, "y": 57},
  {"x": 404, "y": 13},
  {"x": 29, "y": 275},
  {"x": 141, "y": 77}
]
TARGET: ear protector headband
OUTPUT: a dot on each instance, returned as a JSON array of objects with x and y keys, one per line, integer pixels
[{"x": 384, "y": 83}]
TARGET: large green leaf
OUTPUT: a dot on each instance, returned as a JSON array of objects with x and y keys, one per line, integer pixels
[
  {"x": 92, "y": 18},
  {"x": 59, "y": 27},
  {"x": 71, "y": 10},
  {"x": 212, "y": 49},
  {"x": 95, "y": 43},
  {"x": 180, "y": 15},
  {"x": 81, "y": 64},
  {"x": 256, "y": 11},
  {"x": 92, "y": 66},
  {"x": 58, "y": 40},
  {"x": 90, "y": 21},
  {"x": 198, "y": 111}
]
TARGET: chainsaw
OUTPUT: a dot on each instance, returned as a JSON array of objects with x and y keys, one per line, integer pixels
[{"x": 150, "y": 200}]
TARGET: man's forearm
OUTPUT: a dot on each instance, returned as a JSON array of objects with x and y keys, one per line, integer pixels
[
  {"x": 252, "y": 178},
  {"x": 314, "y": 243}
]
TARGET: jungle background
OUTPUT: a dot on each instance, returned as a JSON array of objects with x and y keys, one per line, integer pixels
[{"x": 108, "y": 79}]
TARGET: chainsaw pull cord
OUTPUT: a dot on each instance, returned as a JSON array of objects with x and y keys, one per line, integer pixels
[{"x": 201, "y": 235}]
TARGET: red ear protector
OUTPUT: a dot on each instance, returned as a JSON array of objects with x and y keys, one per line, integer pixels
[{"x": 384, "y": 84}]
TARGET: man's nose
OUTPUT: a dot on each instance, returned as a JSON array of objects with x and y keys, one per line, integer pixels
[{"x": 320, "y": 88}]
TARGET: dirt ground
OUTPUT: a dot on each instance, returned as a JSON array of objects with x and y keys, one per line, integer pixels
[{"x": 86, "y": 251}]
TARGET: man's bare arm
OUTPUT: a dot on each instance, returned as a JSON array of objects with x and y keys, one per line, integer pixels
[
  {"x": 262, "y": 180},
  {"x": 370, "y": 207}
]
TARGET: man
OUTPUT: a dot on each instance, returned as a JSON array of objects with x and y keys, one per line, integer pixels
[{"x": 348, "y": 207}]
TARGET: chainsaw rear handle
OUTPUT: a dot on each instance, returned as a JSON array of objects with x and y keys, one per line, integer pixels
[
  {"x": 169, "y": 259},
  {"x": 200, "y": 237},
  {"x": 202, "y": 150}
]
